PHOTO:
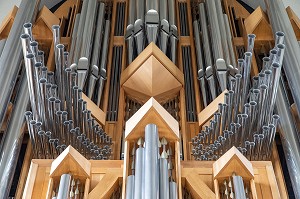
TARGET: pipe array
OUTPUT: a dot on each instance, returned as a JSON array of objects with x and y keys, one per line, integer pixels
[
  {"x": 151, "y": 21},
  {"x": 89, "y": 48},
  {"x": 151, "y": 168},
  {"x": 290, "y": 140},
  {"x": 245, "y": 119},
  {"x": 59, "y": 115},
  {"x": 234, "y": 187},
  {"x": 216, "y": 62},
  {"x": 10, "y": 65},
  {"x": 68, "y": 188}
]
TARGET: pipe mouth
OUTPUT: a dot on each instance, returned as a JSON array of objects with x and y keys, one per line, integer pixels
[
  {"x": 28, "y": 113},
  {"x": 75, "y": 87},
  {"x": 66, "y": 53},
  {"x": 266, "y": 59},
  {"x": 238, "y": 76},
  {"x": 271, "y": 126},
  {"x": 256, "y": 91},
  {"x": 66, "y": 122},
  {"x": 248, "y": 54},
  {"x": 57, "y": 101},
  {"x": 252, "y": 103},
  {"x": 54, "y": 86},
  {"x": 276, "y": 117},
  {"x": 29, "y": 56},
  {"x": 68, "y": 70},
  {"x": 261, "y": 74},
  {"x": 34, "y": 44},
  {"x": 43, "y": 80},
  {"x": 38, "y": 124},
  {"x": 58, "y": 113},
  {"x": 247, "y": 105},
  {"x": 51, "y": 99},
  {"x": 231, "y": 92},
  {"x": 38, "y": 64},
  {"x": 263, "y": 86},
  {"x": 252, "y": 36},
  {"x": 65, "y": 113},
  {"x": 55, "y": 27},
  {"x": 255, "y": 78},
  {"x": 25, "y": 36},
  {"x": 40, "y": 53},
  {"x": 268, "y": 72},
  {"x": 50, "y": 73},
  {"x": 48, "y": 133},
  {"x": 279, "y": 34},
  {"x": 41, "y": 132},
  {"x": 273, "y": 51},
  {"x": 27, "y": 25},
  {"x": 60, "y": 46},
  {"x": 265, "y": 128},
  {"x": 275, "y": 65},
  {"x": 280, "y": 46}
]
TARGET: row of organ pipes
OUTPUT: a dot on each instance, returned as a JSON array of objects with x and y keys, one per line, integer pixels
[
  {"x": 59, "y": 117},
  {"x": 152, "y": 174}
]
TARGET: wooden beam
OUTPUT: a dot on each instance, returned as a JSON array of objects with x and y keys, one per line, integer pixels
[
  {"x": 97, "y": 113},
  {"x": 198, "y": 188}
]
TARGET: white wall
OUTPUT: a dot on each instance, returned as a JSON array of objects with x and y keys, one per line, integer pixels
[{"x": 7, "y": 5}]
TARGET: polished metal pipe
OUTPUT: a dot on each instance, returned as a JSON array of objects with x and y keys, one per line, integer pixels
[
  {"x": 130, "y": 187},
  {"x": 73, "y": 38},
  {"x": 98, "y": 35},
  {"x": 205, "y": 37},
  {"x": 12, "y": 138},
  {"x": 28, "y": 30},
  {"x": 222, "y": 31},
  {"x": 92, "y": 81},
  {"x": 11, "y": 54},
  {"x": 105, "y": 45},
  {"x": 101, "y": 83},
  {"x": 139, "y": 172},
  {"x": 2, "y": 44},
  {"x": 151, "y": 189},
  {"x": 246, "y": 77},
  {"x": 251, "y": 40},
  {"x": 229, "y": 41},
  {"x": 64, "y": 186},
  {"x": 173, "y": 190}
]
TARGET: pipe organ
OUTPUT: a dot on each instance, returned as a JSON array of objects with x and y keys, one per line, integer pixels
[{"x": 135, "y": 99}]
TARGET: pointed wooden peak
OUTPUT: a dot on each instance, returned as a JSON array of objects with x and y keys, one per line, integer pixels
[
  {"x": 152, "y": 74},
  {"x": 295, "y": 21},
  {"x": 258, "y": 23},
  {"x": 152, "y": 112},
  {"x": 7, "y": 23},
  {"x": 70, "y": 161},
  {"x": 42, "y": 28},
  {"x": 231, "y": 162}
]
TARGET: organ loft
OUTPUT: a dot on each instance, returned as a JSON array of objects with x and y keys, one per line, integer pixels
[{"x": 150, "y": 99}]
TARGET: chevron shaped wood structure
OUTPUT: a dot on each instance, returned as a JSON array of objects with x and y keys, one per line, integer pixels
[
  {"x": 7, "y": 23},
  {"x": 43, "y": 25},
  {"x": 257, "y": 23},
  {"x": 233, "y": 160},
  {"x": 152, "y": 112},
  {"x": 152, "y": 74},
  {"x": 295, "y": 21},
  {"x": 71, "y": 161}
]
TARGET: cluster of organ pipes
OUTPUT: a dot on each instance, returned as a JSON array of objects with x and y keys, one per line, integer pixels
[
  {"x": 234, "y": 187},
  {"x": 59, "y": 115},
  {"x": 151, "y": 168},
  {"x": 151, "y": 21},
  {"x": 216, "y": 62},
  {"x": 245, "y": 119},
  {"x": 89, "y": 48},
  {"x": 68, "y": 187}
]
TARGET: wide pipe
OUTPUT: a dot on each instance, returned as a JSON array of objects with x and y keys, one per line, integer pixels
[
  {"x": 280, "y": 22},
  {"x": 64, "y": 186},
  {"x": 11, "y": 55},
  {"x": 151, "y": 189},
  {"x": 12, "y": 140},
  {"x": 139, "y": 172}
]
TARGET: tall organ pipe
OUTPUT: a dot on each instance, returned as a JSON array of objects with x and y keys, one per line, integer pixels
[
  {"x": 291, "y": 63},
  {"x": 151, "y": 189},
  {"x": 11, "y": 55},
  {"x": 12, "y": 140}
]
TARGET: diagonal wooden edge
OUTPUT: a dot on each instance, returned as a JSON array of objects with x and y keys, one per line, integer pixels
[
  {"x": 242, "y": 166},
  {"x": 211, "y": 109},
  {"x": 164, "y": 117},
  {"x": 48, "y": 18},
  {"x": 97, "y": 113},
  {"x": 197, "y": 187},
  {"x": 152, "y": 49},
  {"x": 107, "y": 185},
  {"x": 70, "y": 159},
  {"x": 6, "y": 24}
]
